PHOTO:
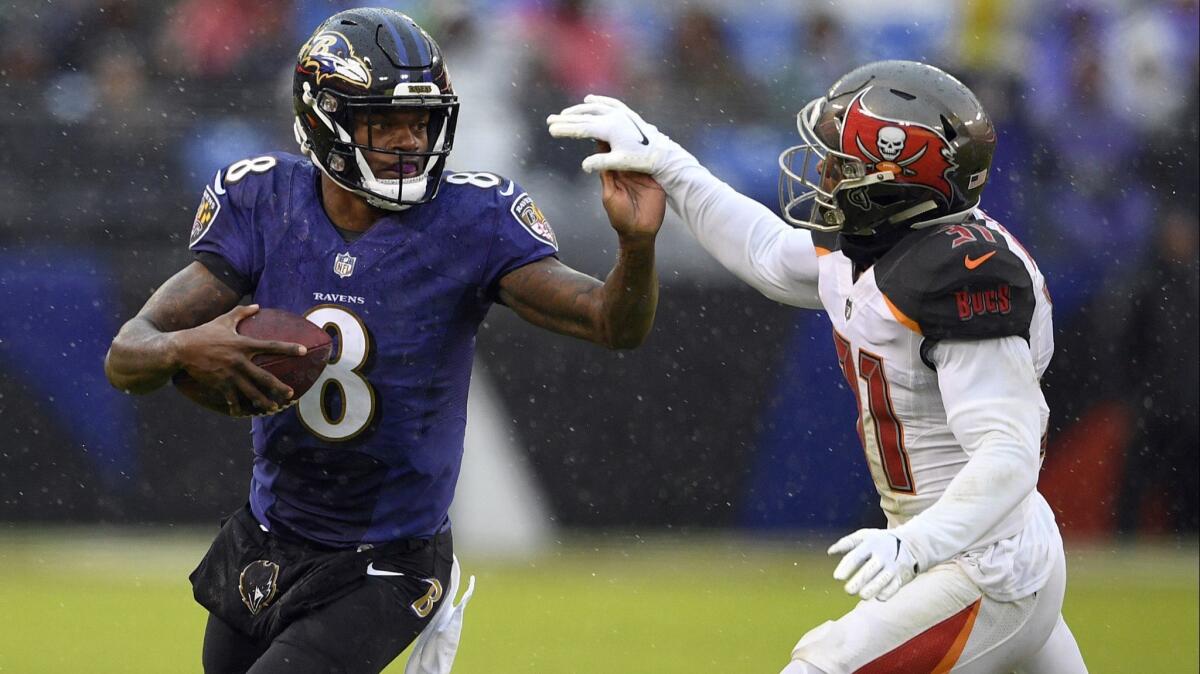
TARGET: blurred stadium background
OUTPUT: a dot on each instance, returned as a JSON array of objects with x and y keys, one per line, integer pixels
[{"x": 658, "y": 510}]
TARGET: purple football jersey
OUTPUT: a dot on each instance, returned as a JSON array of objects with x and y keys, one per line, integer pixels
[{"x": 372, "y": 452}]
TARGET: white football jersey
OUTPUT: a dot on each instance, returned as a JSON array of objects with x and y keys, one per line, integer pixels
[
  {"x": 964, "y": 293},
  {"x": 909, "y": 447},
  {"x": 971, "y": 280}
]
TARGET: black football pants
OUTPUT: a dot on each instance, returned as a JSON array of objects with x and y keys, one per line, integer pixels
[{"x": 361, "y": 632}]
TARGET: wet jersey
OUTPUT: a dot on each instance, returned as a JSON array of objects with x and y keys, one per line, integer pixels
[
  {"x": 966, "y": 281},
  {"x": 971, "y": 280},
  {"x": 372, "y": 452},
  {"x": 959, "y": 294}
]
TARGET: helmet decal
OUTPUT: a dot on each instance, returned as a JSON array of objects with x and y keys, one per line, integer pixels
[
  {"x": 329, "y": 54},
  {"x": 913, "y": 153}
]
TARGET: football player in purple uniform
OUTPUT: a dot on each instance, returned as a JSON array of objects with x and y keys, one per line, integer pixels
[
  {"x": 942, "y": 328},
  {"x": 343, "y": 554}
]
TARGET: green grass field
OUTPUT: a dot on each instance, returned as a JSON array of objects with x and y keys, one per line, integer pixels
[{"x": 120, "y": 602}]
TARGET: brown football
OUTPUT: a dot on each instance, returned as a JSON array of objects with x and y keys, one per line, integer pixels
[{"x": 298, "y": 372}]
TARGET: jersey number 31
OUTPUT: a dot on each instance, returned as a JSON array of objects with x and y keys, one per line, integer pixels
[{"x": 886, "y": 433}]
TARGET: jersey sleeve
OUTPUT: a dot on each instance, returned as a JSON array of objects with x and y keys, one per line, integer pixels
[
  {"x": 744, "y": 236},
  {"x": 959, "y": 282},
  {"x": 224, "y": 235},
  {"x": 995, "y": 408},
  {"x": 521, "y": 234}
]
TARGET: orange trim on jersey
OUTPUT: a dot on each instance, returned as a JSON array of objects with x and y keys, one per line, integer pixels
[
  {"x": 901, "y": 317},
  {"x": 935, "y": 650},
  {"x": 821, "y": 251},
  {"x": 960, "y": 641}
]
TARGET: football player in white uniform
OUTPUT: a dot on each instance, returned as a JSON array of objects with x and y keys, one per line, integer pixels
[{"x": 942, "y": 326}]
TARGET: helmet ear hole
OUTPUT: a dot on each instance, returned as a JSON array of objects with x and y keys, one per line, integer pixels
[{"x": 948, "y": 129}]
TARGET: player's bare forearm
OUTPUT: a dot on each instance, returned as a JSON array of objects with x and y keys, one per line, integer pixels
[
  {"x": 631, "y": 294},
  {"x": 141, "y": 357},
  {"x": 617, "y": 313},
  {"x": 635, "y": 205},
  {"x": 145, "y": 353}
]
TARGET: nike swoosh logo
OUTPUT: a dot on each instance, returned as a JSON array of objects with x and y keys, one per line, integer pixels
[
  {"x": 507, "y": 191},
  {"x": 645, "y": 140},
  {"x": 971, "y": 264},
  {"x": 372, "y": 571}
]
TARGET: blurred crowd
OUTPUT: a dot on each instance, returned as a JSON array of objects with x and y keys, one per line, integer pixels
[{"x": 124, "y": 108}]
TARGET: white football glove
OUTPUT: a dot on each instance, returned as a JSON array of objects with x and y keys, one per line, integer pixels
[
  {"x": 876, "y": 563},
  {"x": 635, "y": 144}
]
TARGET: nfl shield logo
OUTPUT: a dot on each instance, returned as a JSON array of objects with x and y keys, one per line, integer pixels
[
  {"x": 849, "y": 308},
  {"x": 343, "y": 264}
]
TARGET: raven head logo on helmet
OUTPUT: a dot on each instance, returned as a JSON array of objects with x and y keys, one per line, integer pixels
[
  {"x": 893, "y": 144},
  {"x": 360, "y": 69},
  {"x": 330, "y": 54}
]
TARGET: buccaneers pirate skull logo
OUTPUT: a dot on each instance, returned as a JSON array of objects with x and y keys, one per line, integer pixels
[{"x": 911, "y": 152}]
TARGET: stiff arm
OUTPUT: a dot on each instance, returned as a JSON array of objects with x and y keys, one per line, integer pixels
[
  {"x": 619, "y": 312},
  {"x": 743, "y": 235}
]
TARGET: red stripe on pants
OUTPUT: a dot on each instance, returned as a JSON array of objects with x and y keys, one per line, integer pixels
[{"x": 931, "y": 652}]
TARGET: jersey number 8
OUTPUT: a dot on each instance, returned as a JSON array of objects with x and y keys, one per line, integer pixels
[{"x": 357, "y": 406}]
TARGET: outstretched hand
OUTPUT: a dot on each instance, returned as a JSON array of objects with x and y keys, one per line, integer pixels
[
  {"x": 636, "y": 145},
  {"x": 635, "y": 203}
]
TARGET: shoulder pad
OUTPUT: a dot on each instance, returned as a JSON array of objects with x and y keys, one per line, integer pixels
[
  {"x": 480, "y": 180},
  {"x": 504, "y": 197},
  {"x": 958, "y": 282},
  {"x": 245, "y": 180}
]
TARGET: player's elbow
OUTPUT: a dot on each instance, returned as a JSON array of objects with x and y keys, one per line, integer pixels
[
  {"x": 627, "y": 334},
  {"x": 1012, "y": 471},
  {"x": 1018, "y": 481},
  {"x": 120, "y": 375},
  {"x": 624, "y": 341},
  {"x": 118, "y": 379},
  {"x": 621, "y": 331}
]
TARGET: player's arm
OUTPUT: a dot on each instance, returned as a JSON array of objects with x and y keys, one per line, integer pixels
[
  {"x": 742, "y": 234},
  {"x": 189, "y": 323},
  {"x": 619, "y": 312},
  {"x": 995, "y": 408}
]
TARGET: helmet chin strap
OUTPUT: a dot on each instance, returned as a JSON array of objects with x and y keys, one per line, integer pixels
[
  {"x": 409, "y": 189},
  {"x": 958, "y": 216},
  {"x": 912, "y": 212},
  {"x": 388, "y": 192}
]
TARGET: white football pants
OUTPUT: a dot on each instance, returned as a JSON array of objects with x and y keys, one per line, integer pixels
[{"x": 942, "y": 622}]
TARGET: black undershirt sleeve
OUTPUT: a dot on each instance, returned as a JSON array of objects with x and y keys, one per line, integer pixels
[{"x": 221, "y": 268}]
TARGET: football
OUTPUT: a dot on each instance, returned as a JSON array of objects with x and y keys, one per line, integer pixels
[{"x": 298, "y": 372}]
